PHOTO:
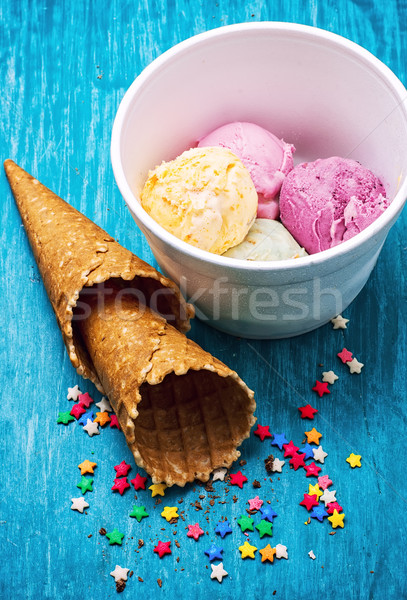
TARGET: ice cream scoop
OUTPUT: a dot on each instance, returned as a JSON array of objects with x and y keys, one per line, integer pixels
[
  {"x": 267, "y": 158},
  {"x": 205, "y": 197},
  {"x": 267, "y": 240},
  {"x": 330, "y": 200}
]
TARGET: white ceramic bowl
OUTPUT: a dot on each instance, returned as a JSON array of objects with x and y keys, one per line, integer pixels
[{"x": 319, "y": 91}]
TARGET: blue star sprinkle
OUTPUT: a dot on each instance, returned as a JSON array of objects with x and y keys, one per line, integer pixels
[
  {"x": 319, "y": 512},
  {"x": 307, "y": 450},
  {"x": 84, "y": 418},
  {"x": 268, "y": 513},
  {"x": 223, "y": 527},
  {"x": 279, "y": 440},
  {"x": 214, "y": 552}
]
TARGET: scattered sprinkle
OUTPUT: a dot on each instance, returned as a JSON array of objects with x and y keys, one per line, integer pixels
[
  {"x": 255, "y": 503},
  {"x": 237, "y": 479},
  {"x": 345, "y": 355},
  {"x": 307, "y": 412},
  {"x": 218, "y": 572},
  {"x": 119, "y": 573},
  {"x": 115, "y": 537},
  {"x": 85, "y": 484},
  {"x": 214, "y": 552},
  {"x": 138, "y": 512},
  {"x": 267, "y": 553},
  {"x": 265, "y": 528},
  {"x": 73, "y": 393},
  {"x": 65, "y": 417},
  {"x": 355, "y": 366},
  {"x": 336, "y": 519},
  {"x": 321, "y": 388},
  {"x": 324, "y": 482},
  {"x": 162, "y": 549},
  {"x": 281, "y": 551},
  {"x": 104, "y": 405},
  {"x": 157, "y": 489},
  {"x": 114, "y": 422},
  {"x": 122, "y": 469},
  {"x": 102, "y": 418},
  {"x": 339, "y": 322},
  {"x": 77, "y": 410},
  {"x": 87, "y": 467},
  {"x": 85, "y": 400},
  {"x": 139, "y": 482},
  {"x": 290, "y": 449},
  {"x": 223, "y": 528},
  {"x": 247, "y": 550},
  {"x": 277, "y": 465},
  {"x": 245, "y": 523},
  {"x": 354, "y": 460},
  {"x": 219, "y": 474},
  {"x": 91, "y": 428},
  {"x": 79, "y": 504},
  {"x": 319, "y": 454},
  {"x": 313, "y": 436},
  {"x": 262, "y": 432},
  {"x": 279, "y": 440},
  {"x": 120, "y": 485},
  {"x": 170, "y": 512},
  {"x": 328, "y": 497},
  {"x": 194, "y": 531},
  {"x": 329, "y": 377},
  {"x": 268, "y": 513},
  {"x": 311, "y": 555}
]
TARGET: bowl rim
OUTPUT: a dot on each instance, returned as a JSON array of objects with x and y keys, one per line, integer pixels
[{"x": 348, "y": 246}]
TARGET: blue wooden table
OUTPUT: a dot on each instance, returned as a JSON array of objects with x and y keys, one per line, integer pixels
[{"x": 64, "y": 68}]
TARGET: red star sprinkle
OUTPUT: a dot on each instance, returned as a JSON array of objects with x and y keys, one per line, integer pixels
[
  {"x": 85, "y": 400},
  {"x": 120, "y": 485},
  {"x": 345, "y": 355},
  {"x": 333, "y": 506},
  {"x": 163, "y": 548},
  {"x": 263, "y": 431},
  {"x": 122, "y": 469},
  {"x": 297, "y": 460},
  {"x": 114, "y": 422},
  {"x": 77, "y": 410},
  {"x": 309, "y": 501},
  {"x": 321, "y": 389},
  {"x": 237, "y": 479},
  {"x": 307, "y": 412},
  {"x": 290, "y": 449},
  {"x": 324, "y": 482},
  {"x": 195, "y": 531},
  {"x": 139, "y": 482},
  {"x": 312, "y": 470}
]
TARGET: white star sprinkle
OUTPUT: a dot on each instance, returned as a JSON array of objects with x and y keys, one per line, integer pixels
[
  {"x": 319, "y": 454},
  {"x": 281, "y": 551},
  {"x": 218, "y": 572},
  {"x": 277, "y": 465},
  {"x": 91, "y": 428},
  {"x": 219, "y": 474},
  {"x": 120, "y": 573},
  {"x": 311, "y": 555},
  {"x": 73, "y": 393},
  {"x": 329, "y": 377},
  {"x": 339, "y": 322},
  {"x": 79, "y": 504},
  {"x": 104, "y": 405},
  {"x": 355, "y": 366},
  {"x": 328, "y": 497}
]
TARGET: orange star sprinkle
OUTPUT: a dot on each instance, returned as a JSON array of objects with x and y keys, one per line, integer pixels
[
  {"x": 313, "y": 436},
  {"x": 87, "y": 467},
  {"x": 102, "y": 418},
  {"x": 267, "y": 553}
]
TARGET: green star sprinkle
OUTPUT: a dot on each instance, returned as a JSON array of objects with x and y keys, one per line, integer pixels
[
  {"x": 85, "y": 484},
  {"x": 65, "y": 417},
  {"x": 138, "y": 512},
  {"x": 245, "y": 523},
  {"x": 115, "y": 537},
  {"x": 265, "y": 528}
]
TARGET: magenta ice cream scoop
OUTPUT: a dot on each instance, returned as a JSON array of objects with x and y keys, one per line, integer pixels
[
  {"x": 267, "y": 159},
  {"x": 330, "y": 200}
]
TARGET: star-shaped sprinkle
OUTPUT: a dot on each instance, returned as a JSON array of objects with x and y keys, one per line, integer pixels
[
  {"x": 237, "y": 479},
  {"x": 85, "y": 484},
  {"x": 320, "y": 455},
  {"x": 170, "y": 512},
  {"x": 87, "y": 416},
  {"x": 73, "y": 393},
  {"x": 312, "y": 470},
  {"x": 255, "y": 503},
  {"x": 355, "y": 366},
  {"x": 87, "y": 467},
  {"x": 265, "y": 528},
  {"x": 313, "y": 436},
  {"x": 114, "y": 422},
  {"x": 328, "y": 497},
  {"x": 120, "y": 573},
  {"x": 321, "y": 388},
  {"x": 194, "y": 531},
  {"x": 281, "y": 551},
  {"x": 263, "y": 431},
  {"x": 65, "y": 417},
  {"x": 329, "y": 377},
  {"x": 307, "y": 450},
  {"x": 268, "y": 513},
  {"x": 79, "y": 504},
  {"x": 163, "y": 548},
  {"x": 279, "y": 440},
  {"x": 138, "y": 512},
  {"x": 354, "y": 460},
  {"x": 290, "y": 449},
  {"x": 219, "y": 474},
  {"x": 218, "y": 572},
  {"x": 85, "y": 400},
  {"x": 277, "y": 465},
  {"x": 120, "y": 485},
  {"x": 139, "y": 482},
  {"x": 333, "y": 506},
  {"x": 267, "y": 553},
  {"x": 297, "y": 461},
  {"x": 311, "y": 555},
  {"x": 77, "y": 410},
  {"x": 115, "y": 537},
  {"x": 223, "y": 528},
  {"x": 247, "y": 550},
  {"x": 157, "y": 489},
  {"x": 307, "y": 412},
  {"x": 315, "y": 490},
  {"x": 309, "y": 501},
  {"x": 324, "y": 482},
  {"x": 339, "y": 322},
  {"x": 122, "y": 469},
  {"x": 336, "y": 519},
  {"x": 345, "y": 355},
  {"x": 319, "y": 513},
  {"x": 214, "y": 552},
  {"x": 102, "y": 418},
  {"x": 245, "y": 523},
  {"x": 104, "y": 405},
  {"x": 91, "y": 428}
]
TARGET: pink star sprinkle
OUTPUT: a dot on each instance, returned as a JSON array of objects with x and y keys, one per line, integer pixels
[
  {"x": 290, "y": 449},
  {"x": 333, "y": 506},
  {"x": 324, "y": 482},
  {"x": 297, "y": 460},
  {"x": 139, "y": 482},
  {"x": 255, "y": 503},
  {"x": 263, "y": 432},
  {"x": 120, "y": 485},
  {"x": 122, "y": 469},
  {"x": 114, "y": 422},
  {"x": 312, "y": 470},
  {"x": 194, "y": 531},
  {"x": 163, "y": 548},
  {"x": 237, "y": 479},
  {"x": 345, "y": 355},
  {"x": 85, "y": 400},
  {"x": 77, "y": 410},
  {"x": 320, "y": 388}
]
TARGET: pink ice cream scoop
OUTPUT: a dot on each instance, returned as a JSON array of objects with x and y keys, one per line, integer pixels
[
  {"x": 326, "y": 202},
  {"x": 267, "y": 159}
]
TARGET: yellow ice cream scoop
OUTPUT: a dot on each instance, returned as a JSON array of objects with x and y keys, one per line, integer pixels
[{"x": 205, "y": 197}]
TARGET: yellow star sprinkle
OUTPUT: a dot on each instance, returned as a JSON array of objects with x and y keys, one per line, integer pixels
[
  {"x": 354, "y": 460},
  {"x": 315, "y": 490},
  {"x": 102, "y": 418},
  {"x": 170, "y": 512},
  {"x": 267, "y": 553},
  {"x": 157, "y": 489},
  {"x": 87, "y": 467},
  {"x": 247, "y": 550},
  {"x": 336, "y": 519},
  {"x": 313, "y": 436}
]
